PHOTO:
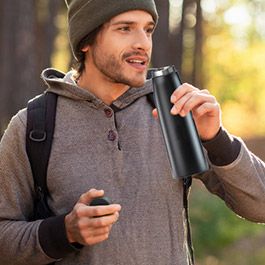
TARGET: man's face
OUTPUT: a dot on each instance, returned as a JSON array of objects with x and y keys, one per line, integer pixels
[{"x": 122, "y": 50}]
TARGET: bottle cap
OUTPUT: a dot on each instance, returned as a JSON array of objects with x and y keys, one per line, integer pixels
[{"x": 164, "y": 71}]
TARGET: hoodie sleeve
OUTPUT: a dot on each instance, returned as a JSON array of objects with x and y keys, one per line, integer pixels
[
  {"x": 21, "y": 240},
  {"x": 223, "y": 149},
  {"x": 236, "y": 175},
  {"x": 53, "y": 239}
]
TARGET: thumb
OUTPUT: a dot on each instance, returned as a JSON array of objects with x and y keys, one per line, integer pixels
[
  {"x": 87, "y": 197},
  {"x": 154, "y": 112}
]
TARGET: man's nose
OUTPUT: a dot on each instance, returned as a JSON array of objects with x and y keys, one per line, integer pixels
[{"x": 142, "y": 42}]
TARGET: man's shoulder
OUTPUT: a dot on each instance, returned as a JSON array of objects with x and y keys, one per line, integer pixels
[{"x": 19, "y": 119}]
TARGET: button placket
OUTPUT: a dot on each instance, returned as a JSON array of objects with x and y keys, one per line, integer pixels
[
  {"x": 112, "y": 136},
  {"x": 109, "y": 113}
]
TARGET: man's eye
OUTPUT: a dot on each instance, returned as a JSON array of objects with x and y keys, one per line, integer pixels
[
  {"x": 126, "y": 28},
  {"x": 149, "y": 30}
]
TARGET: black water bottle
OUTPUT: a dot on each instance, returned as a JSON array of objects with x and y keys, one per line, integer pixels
[{"x": 182, "y": 141}]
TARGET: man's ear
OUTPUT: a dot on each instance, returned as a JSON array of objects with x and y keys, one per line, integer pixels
[{"x": 85, "y": 49}]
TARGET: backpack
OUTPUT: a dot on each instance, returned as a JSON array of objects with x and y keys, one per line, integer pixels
[{"x": 41, "y": 113}]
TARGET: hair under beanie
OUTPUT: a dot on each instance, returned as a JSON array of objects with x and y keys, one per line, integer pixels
[{"x": 86, "y": 15}]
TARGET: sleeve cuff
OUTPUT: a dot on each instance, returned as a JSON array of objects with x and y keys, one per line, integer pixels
[
  {"x": 223, "y": 149},
  {"x": 53, "y": 239}
]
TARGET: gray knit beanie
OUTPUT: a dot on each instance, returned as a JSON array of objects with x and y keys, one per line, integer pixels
[{"x": 86, "y": 15}]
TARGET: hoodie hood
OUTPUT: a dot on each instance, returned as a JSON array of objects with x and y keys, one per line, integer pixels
[{"x": 64, "y": 85}]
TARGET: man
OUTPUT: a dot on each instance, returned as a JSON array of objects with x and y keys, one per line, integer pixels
[{"x": 106, "y": 140}]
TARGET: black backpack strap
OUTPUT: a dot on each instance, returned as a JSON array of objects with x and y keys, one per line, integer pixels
[
  {"x": 40, "y": 128},
  {"x": 186, "y": 185}
]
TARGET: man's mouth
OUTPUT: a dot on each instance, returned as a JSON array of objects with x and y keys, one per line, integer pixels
[
  {"x": 138, "y": 62},
  {"x": 135, "y": 61}
]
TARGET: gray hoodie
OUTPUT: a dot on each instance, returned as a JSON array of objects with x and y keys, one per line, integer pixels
[{"x": 120, "y": 149}]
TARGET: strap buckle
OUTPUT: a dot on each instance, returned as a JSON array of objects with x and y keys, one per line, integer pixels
[{"x": 37, "y": 136}]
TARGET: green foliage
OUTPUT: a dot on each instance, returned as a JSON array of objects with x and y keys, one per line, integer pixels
[
  {"x": 233, "y": 67},
  {"x": 217, "y": 230},
  {"x": 235, "y": 75}
]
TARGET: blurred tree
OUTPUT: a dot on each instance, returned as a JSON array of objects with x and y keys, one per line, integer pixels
[
  {"x": 197, "y": 73},
  {"x": 18, "y": 62},
  {"x": 234, "y": 54},
  {"x": 26, "y": 41},
  {"x": 191, "y": 33},
  {"x": 160, "y": 54},
  {"x": 47, "y": 29},
  {"x": 27, "y": 49},
  {"x": 184, "y": 38},
  {"x": 178, "y": 39}
]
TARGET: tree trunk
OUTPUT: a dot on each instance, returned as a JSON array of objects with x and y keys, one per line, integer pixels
[
  {"x": 46, "y": 31},
  {"x": 179, "y": 39},
  {"x": 26, "y": 44},
  {"x": 160, "y": 38},
  {"x": 18, "y": 62},
  {"x": 197, "y": 76}
]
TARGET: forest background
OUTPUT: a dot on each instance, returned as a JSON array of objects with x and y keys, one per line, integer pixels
[{"x": 214, "y": 44}]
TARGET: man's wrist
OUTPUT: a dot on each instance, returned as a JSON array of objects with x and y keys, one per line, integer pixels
[
  {"x": 223, "y": 149},
  {"x": 53, "y": 239}
]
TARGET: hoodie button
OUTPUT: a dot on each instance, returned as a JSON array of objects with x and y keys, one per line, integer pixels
[
  {"x": 108, "y": 113},
  {"x": 112, "y": 136}
]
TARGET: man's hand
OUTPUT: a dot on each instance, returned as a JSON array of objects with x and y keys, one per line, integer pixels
[
  {"x": 82, "y": 227},
  {"x": 205, "y": 109}
]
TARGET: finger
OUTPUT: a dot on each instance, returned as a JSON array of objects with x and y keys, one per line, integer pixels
[
  {"x": 103, "y": 221},
  {"x": 181, "y": 91},
  {"x": 154, "y": 112},
  {"x": 102, "y": 210},
  {"x": 179, "y": 105},
  {"x": 192, "y": 101},
  {"x": 211, "y": 109},
  {"x": 83, "y": 212},
  {"x": 87, "y": 197},
  {"x": 205, "y": 91},
  {"x": 95, "y": 239},
  {"x": 92, "y": 232},
  {"x": 91, "y": 236},
  {"x": 87, "y": 225}
]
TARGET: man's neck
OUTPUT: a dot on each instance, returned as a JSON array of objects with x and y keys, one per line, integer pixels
[{"x": 102, "y": 88}]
